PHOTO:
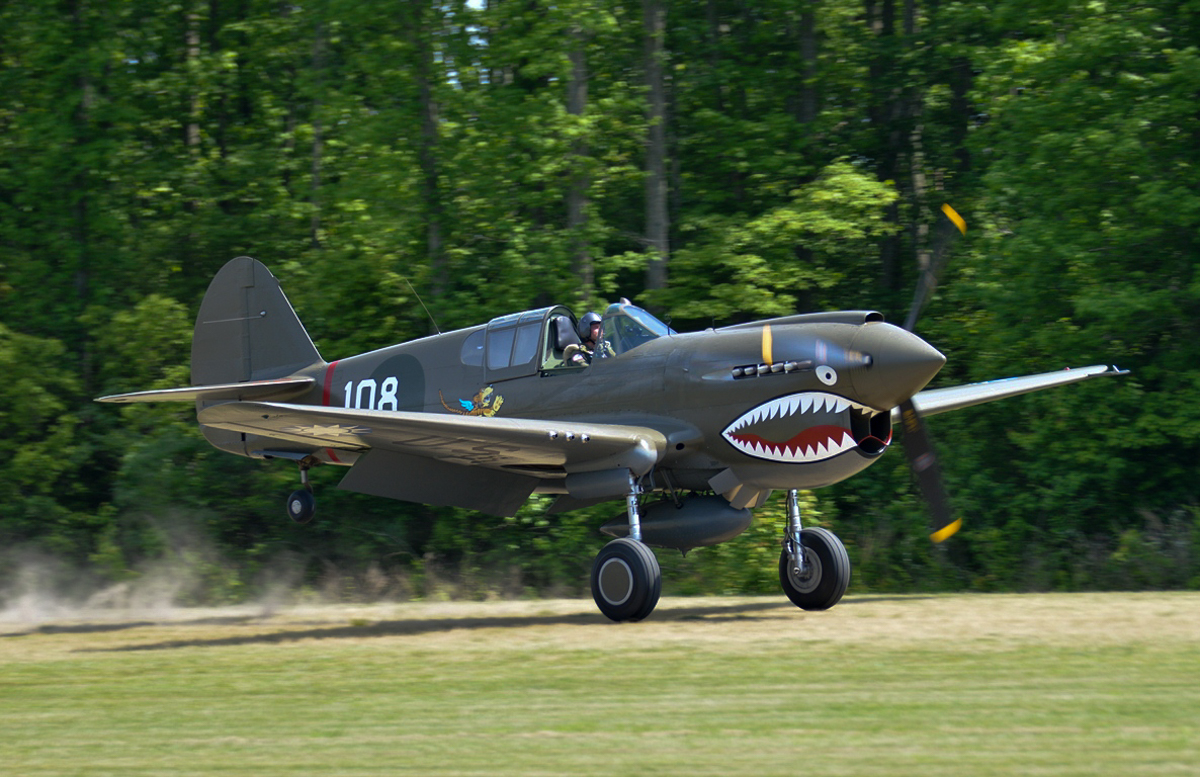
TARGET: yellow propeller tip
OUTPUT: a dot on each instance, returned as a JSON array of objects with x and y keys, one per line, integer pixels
[
  {"x": 947, "y": 531},
  {"x": 958, "y": 220}
]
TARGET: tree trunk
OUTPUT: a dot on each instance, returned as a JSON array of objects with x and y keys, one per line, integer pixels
[
  {"x": 577, "y": 195},
  {"x": 807, "y": 109},
  {"x": 657, "y": 218},
  {"x": 318, "y": 65},
  {"x": 427, "y": 150}
]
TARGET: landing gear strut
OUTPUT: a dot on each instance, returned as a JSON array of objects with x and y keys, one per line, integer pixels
[
  {"x": 301, "y": 504},
  {"x": 626, "y": 578},
  {"x": 814, "y": 569}
]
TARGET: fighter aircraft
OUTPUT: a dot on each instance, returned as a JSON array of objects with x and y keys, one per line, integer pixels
[{"x": 693, "y": 430}]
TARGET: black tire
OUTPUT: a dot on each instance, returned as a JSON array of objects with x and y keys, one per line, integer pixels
[
  {"x": 301, "y": 506},
  {"x": 826, "y": 571},
  {"x": 626, "y": 580}
]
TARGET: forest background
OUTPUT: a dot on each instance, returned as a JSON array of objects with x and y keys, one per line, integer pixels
[{"x": 716, "y": 161}]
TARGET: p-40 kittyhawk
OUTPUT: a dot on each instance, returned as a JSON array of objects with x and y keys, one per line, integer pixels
[{"x": 692, "y": 430}]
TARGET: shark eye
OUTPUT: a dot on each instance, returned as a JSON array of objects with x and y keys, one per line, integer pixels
[{"x": 827, "y": 375}]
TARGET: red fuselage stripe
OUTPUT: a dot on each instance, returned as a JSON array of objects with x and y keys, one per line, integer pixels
[
  {"x": 328, "y": 383},
  {"x": 325, "y": 401}
]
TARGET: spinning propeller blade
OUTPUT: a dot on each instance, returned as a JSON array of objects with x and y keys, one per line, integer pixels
[
  {"x": 917, "y": 443},
  {"x": 937, "y": 262}
]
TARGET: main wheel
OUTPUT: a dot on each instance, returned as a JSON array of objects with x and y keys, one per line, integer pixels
[
  {"x": 826, "y": 571},
  {"x": 301, "y": 506},
  {"x": 626, "y": 580}
]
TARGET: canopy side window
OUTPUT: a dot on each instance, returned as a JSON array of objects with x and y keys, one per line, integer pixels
[
  {"x": 511, "y": 346},
  {"x": 472, "y": 349}
]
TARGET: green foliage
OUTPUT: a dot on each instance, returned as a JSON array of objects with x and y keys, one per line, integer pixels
[
  {"x": 373, "y": 152},
  {"x": 806, "y": 248}
]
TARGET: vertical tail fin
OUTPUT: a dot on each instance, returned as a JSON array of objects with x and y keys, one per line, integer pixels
[{"x": 247, "y": 329}]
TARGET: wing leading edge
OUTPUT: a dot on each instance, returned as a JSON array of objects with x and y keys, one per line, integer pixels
[{"x": 943, "y": 400}]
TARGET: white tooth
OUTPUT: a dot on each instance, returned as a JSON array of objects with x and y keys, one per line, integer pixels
[
  {"x": 805, "y": 403},
  {"x": 842, "y": 405},
  {"x": 819, "y": 405},
  {"x": 773, "y": 410},
  {"x": 793, "y": 403},
  {"x": 847, "y": 441}
]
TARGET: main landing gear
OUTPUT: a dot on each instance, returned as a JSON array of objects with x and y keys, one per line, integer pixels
[
  {"x": 814, "y": 569},
  {"x": 301, "y": 504},
  {"x": 626, "y": 579}
]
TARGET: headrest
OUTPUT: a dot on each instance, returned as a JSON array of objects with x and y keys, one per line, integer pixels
[{"x": 564, "y": 333}]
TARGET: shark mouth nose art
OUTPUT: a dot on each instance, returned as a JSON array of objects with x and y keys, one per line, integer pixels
[{"x": 809, "y": 426}]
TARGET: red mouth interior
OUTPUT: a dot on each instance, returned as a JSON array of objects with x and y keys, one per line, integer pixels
[{"x": 806, "y": 439}]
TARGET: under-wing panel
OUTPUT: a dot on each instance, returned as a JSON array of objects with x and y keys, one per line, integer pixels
[
  {"x": 530, "y": 446},
  {"x": 412, "y": 478}
]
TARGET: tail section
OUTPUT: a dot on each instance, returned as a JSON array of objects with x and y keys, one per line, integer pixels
[
  {"x": 247, "y": 330},
  {"x": 248, "y": 345}
]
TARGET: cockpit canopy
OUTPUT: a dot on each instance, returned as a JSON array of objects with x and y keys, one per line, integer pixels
[
  {"x": 627, "y": 326},
  {"x": 536, "y": 340}
]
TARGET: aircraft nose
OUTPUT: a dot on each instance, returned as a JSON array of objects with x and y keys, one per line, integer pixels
[{"x": 901, "y": 364}]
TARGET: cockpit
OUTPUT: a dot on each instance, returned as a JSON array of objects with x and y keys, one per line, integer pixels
[{"x": 547, "y": 340}]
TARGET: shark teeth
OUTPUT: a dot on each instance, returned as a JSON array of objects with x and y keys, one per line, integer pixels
[{"x": 814, "y": 441}]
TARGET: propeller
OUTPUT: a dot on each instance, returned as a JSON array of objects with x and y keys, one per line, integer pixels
[{"x": 917, "y": 443}]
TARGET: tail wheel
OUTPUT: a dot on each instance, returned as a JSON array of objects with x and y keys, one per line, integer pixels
[
  {"x": 626, "y": 580},
  {"x": 826, "y": 574}
]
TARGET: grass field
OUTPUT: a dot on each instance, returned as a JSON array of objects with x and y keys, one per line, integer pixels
[{"x": 1083, "y": 684}]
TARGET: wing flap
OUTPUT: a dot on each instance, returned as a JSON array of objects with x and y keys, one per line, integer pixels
[
  {"x": 943, "y": 400},
  {"x": 494, "y": 443}
]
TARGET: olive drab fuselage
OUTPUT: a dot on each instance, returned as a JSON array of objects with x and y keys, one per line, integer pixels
[{"x": 691, "y": 387}]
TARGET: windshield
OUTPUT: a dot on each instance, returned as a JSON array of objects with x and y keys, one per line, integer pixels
[{"x": 626, "y": 327}]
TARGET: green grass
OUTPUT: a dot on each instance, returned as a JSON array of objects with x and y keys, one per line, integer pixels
[{"x": 1055, "y": 685}]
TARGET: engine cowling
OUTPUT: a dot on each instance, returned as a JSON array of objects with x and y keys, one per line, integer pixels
[{"x": 696, "y": 522}]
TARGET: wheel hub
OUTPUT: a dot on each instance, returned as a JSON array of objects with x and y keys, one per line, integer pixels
[
  {"x": 616, "y": 581},
  {"x": 806, "y": 582}
]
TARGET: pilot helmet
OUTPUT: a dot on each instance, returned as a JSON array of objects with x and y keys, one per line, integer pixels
[{"x": 585, "y": 324}]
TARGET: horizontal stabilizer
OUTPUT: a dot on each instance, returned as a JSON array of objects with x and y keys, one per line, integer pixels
[
  {"x": 943, "y": 400},
  {"x": 284, "y": 388}
]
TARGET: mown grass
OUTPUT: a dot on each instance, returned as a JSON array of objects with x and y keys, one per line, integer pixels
[{"x": 946, "y": 686}]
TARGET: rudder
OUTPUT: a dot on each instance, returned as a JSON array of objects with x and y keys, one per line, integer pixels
[{"x": 246, "y": 328}]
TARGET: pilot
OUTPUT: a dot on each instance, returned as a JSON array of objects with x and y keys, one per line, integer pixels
[{"x": 589, "y": 333}]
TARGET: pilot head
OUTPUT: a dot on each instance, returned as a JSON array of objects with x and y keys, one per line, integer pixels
[{"x": 589, "y": 328}]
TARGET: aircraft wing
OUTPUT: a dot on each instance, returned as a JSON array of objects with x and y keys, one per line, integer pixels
[
  {"x": 489, "y": 464},
  {"x": 943, "y": 400}
]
